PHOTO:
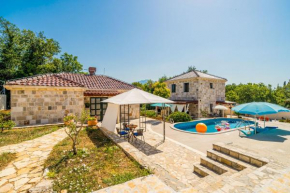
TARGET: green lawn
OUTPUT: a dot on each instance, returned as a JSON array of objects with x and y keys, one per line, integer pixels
[
  {"x": 98, "y": 164},
  {"x": 14, "y": 136},
  {"x": 6, "y": 158}
]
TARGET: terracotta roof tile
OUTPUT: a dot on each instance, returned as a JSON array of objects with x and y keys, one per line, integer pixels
[
  {"x": 44, "y": 80},
  {"x": 95, "y": 84}
]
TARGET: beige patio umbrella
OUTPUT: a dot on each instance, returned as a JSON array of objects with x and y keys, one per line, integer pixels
[{"x": 221, "y": 107}]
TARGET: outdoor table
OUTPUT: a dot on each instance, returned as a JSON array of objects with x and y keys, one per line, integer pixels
[{"x": 132, "y": 128}]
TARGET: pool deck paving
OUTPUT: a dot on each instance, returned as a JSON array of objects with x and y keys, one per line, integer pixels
[
  {"x": 27, "y": 169},
  {"x": 172, "y": 161}
]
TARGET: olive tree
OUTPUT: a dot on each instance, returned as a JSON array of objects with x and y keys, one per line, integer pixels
[{"x": 74, "y": 125}]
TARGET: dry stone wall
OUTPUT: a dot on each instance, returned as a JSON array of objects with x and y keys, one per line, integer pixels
[{"x": 43, "y": 106}]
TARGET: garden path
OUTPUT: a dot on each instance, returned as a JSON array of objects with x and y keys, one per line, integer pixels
[{"x": 27, "y": 169}]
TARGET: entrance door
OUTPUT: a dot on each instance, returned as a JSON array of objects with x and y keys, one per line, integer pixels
[{"x": 98, "y": 108}]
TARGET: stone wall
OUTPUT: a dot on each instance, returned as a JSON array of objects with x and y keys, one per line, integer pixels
[
  {"x": 180, "y": 94},
  {"x": 199, "y": 90},
  {"x": 35, "y": 105},
  {"x": 2, "y": 102}
]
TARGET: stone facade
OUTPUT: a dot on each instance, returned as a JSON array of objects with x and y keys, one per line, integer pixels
[
  {"x": 43, "y": 105},
  {"x": 200, "y": 92}
]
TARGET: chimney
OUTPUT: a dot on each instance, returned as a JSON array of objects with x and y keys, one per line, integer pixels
[{"x": 92, "y": 70}]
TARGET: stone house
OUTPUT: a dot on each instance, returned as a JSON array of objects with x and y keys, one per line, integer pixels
[
  {"x": 46, "y": 98},
  {"x": 197, "y": 92}
]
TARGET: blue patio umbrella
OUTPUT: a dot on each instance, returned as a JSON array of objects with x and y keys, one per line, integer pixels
[
  {"x": 159, "y": 105},
  {"x": 259, "y": 108}
]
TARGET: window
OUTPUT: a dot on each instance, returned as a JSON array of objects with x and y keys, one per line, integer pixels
[
  {"x": 186, "y": 87},
  {"x": 211, "y": 85},
  {"x": 173, "y": 88},
  {"x": 211, "y": 108},
  {"x": 97, "y": 108}
]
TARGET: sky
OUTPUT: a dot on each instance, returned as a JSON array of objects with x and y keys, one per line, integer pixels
[{"x": 241, "y": 40}]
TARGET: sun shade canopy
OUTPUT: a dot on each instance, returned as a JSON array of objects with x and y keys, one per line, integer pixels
[
  {"x": 259, "y": 108},
  {"x": 159, "y": 105},
  {"x": 136, "y": 96},
  {"x": 220, "y": 107}
]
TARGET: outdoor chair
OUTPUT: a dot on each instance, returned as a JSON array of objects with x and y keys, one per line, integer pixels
[
  {"x": 246, "y": 133},
  {"x": 122, "y": 133},
  {"x": 125, "y": 128},
  {"x": 140, "y": 133}
]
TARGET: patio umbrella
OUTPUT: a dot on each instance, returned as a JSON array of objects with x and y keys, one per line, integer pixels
[
  {"x": 221, "y": 107},
  {"x": 159, "y": 105},
  {"x": 259, "y": 108}
]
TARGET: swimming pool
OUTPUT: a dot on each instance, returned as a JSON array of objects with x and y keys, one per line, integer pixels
[{"x": 232, "y": 124}]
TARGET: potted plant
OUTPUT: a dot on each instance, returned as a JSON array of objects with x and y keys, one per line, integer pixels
[
  {"x": 87, "y": 105},
  {"x": 92, "y": 121},
  {"x": 68, "y": 119}
]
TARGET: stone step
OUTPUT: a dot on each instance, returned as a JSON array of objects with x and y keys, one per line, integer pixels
[
  {"x": 213, "y": 165},
  {"x": 240, "y": 154},
  {"x": 202, "y": 171},
  {"x": 226, "y": 160}
]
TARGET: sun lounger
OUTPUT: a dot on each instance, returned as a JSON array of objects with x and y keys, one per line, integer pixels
[
  {"x": 262, "y": 129},
  {"x": 246, "y": 132}
]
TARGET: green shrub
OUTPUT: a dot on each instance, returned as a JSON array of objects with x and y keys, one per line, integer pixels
[
  {"x": 5, "y": 115},
  {"x": 149, "y": 113},
  {"x": 179, "y": 117},
  {"x": 285, "y": 120}
]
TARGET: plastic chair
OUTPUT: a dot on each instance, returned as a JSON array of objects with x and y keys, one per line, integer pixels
[
  {"x": 140, "y": 133},
  {"x": 125, "y": 127},
  {"x": 122, "y": 133}
]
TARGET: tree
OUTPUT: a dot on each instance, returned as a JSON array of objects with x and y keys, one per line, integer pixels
[
  {"x": 191, "y": 68},
  {"x": 138, "y": 85},
  {"x": 5, "y": 122},
  {"x": 69, "y": 63},
  {"x": 148, "y": 86},
  {"x": 10, "y": 50},
  {"x": 72, "y": 129},
  {"x": 163, "y": 79},
  {"x": 160, "y": 89},
  {"x": 38, "y": 54},
  {"x": 26, "y": 53}
]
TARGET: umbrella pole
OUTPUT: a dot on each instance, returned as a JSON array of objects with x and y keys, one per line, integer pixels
[
  {"x": 163, "y": 123},
  {"x": 255, "y": 124},
  {"x": 264, "y": 121}
]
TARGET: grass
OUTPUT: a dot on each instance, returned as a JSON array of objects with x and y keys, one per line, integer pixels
[
  {"x": 98, "y": 164},
  {"x": 14, "y": 136},
  {"x": 6, "y": 158}
]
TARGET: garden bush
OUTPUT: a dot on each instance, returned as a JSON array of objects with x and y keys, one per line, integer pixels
[
  {"x": 149, "y": 113},
  {"x": 179, "y": 117},
  {"x": 285, "y": 120}
]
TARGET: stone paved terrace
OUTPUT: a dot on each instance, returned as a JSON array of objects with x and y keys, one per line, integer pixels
[
  {"x": 173, "y": 160},
  {"x": 145, "y": 184},
  {"x": 27, "y": 170}
]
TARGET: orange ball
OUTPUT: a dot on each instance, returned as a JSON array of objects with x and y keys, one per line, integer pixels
[{"x": 201, "y": 127}]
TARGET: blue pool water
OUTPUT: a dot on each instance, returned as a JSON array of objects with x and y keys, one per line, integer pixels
[{"x": 211, "y": 123}]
